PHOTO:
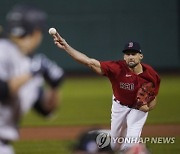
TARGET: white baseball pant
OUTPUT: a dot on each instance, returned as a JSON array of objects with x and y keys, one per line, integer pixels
[{"x": 125, "y": 122}]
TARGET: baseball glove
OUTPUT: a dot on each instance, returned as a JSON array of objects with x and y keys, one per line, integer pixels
[{"x": 145, "y": 94}]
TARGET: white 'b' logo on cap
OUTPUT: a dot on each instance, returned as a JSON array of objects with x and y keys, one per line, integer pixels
[
  {"x": 130, "y": 44},
  {"x": 103, "y": 140}
]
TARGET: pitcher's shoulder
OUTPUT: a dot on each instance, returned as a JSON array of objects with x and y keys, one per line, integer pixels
[
  {"x": 149, "y": 67},
  {"x": 151, "y": 70}
]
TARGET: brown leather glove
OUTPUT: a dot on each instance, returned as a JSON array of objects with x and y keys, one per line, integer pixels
[{"x": 145, "y": 94}]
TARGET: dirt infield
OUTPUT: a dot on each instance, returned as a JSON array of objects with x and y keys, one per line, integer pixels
[{"x": 71, "y": 132}]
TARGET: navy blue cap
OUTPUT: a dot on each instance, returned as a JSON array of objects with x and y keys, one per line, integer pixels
[
  {"x": 23, "y": 19},
  {"x": 132, "y": 46}
]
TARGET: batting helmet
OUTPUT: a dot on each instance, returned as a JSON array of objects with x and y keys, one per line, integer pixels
[{"x": 23, "y": 19}]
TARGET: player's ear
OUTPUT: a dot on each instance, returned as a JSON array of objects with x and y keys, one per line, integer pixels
[
  {"x": 141, "y": 56},
  {"x": 124, "y": 57}
]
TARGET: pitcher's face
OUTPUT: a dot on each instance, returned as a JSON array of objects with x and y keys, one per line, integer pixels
[{"x": 132, "y": 58}]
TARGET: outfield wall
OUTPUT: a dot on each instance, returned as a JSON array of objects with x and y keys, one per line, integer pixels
[{"x": 100, "y": 28}]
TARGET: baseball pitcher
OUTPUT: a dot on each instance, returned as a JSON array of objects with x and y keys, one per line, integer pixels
[{"x": 135, "y": 86}]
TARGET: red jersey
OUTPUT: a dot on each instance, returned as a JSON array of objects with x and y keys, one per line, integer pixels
[{"x": 125, "y": 83}]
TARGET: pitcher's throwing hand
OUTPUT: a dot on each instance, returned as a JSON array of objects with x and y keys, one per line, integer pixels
[{"x": 59, "y": 41}]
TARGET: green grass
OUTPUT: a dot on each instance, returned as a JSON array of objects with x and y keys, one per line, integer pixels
[
  {"x": 43, "y": 147},
  {"x": 167, "y": 109},
  {"x": 84, "y": 101},
  {"x": 161, "y": 148},
  {"x": 87, "y": 101}
]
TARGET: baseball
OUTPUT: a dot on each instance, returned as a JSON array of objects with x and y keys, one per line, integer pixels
[{"x": 52, "y": 31}]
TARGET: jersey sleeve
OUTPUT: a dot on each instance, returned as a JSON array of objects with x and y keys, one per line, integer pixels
[
  {"x": 109, "y": 67},
  {"x": 155, "y": 78},
  {"x": 4, "y": 65},
  {"x": 152, "y": 76},
  {"x": 157, "y": 83}
]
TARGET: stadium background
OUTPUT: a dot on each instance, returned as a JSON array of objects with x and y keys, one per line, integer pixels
[{"x": 100, "y": 28}]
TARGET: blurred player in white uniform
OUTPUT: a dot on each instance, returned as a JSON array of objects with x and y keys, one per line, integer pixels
[{"x": 23, "y": 74}]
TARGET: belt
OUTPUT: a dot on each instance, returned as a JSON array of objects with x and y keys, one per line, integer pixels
[{"x": 130, "y": 106}]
